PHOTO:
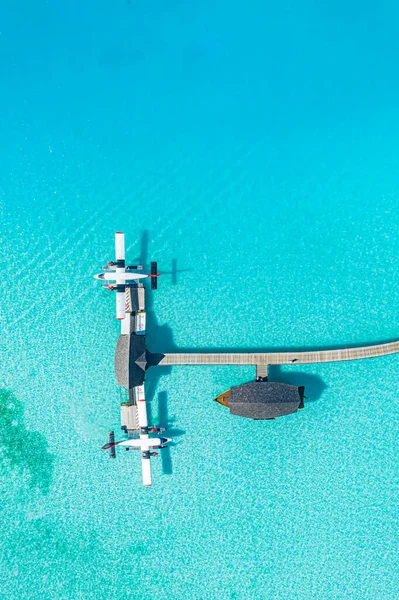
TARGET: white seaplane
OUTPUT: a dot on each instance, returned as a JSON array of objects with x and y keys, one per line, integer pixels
[
  {"x": 121, "y": 275},
  {"x": 147, "y": 446},
  {"x": 144, "y": 443}
]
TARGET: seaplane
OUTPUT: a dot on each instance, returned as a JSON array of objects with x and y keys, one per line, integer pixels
[
  {"x": 145, "y": 444},
  {"x": 141, "y": 441},
  {"x": 117, "y": 275}
]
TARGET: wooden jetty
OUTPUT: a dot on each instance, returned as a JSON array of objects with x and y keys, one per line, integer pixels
[
  {"x": 124, "y": 370},
  {"x": 262, "y": 359}
]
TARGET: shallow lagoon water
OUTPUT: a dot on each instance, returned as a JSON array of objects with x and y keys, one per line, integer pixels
[{"x": 251, "y": 150}]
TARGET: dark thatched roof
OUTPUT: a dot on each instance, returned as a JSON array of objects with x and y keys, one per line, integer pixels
[
  {"x": 132, "y": 359},
  {"x": 129, "y": 364},
  {"x": 265, "y": 399}
]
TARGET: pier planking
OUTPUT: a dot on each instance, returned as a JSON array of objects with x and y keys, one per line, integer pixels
[{"x": 279, "y": 358}]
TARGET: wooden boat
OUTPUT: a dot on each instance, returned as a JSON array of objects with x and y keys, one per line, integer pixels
[{"x": 223, "y": 399}]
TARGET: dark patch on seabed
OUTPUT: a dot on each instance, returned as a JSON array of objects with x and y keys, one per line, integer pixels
[{"x": 20, "y": 448}]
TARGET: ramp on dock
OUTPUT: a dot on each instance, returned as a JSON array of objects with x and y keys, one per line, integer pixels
[{"x": 280, "y": 358}]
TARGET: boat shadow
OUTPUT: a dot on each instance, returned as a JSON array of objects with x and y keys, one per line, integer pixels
[{"x": 313, "y": 384}]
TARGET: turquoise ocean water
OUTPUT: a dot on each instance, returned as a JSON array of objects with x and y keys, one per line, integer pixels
[{"x": 252, "y": 150}]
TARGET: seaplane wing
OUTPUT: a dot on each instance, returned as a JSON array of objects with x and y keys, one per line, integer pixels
[
  {"x": 146, "y": 468},
  {"x": 120, "y": 248},
  {"x": 143, "y": 424},
  {"x": 119, "y": 273}
]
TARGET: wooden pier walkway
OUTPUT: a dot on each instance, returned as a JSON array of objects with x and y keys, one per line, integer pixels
[{"x": 280, "y": 358}]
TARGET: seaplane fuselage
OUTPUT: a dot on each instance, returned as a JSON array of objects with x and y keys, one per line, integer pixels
[{"x": 120, "y": 276}]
